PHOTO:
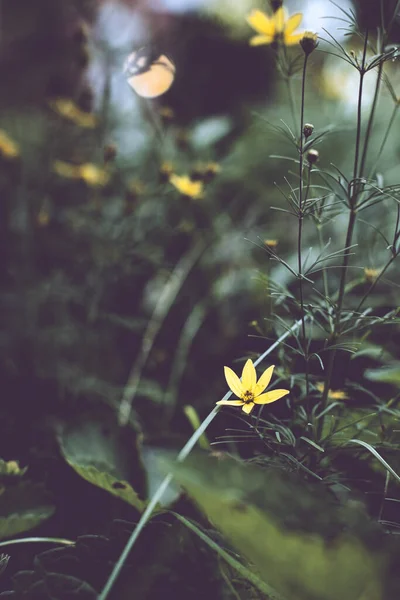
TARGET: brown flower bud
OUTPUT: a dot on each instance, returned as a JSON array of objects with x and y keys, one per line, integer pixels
[
  {"x": 109, "y": 153},
  {"x": 308, "y": 130},
  {"x": 312, "y": 156},
  {"x": 309, "y": 42}
]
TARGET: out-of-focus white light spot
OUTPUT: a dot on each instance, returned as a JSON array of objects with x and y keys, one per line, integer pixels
[
  {"x": 322, "y": 14},
  {"x": 119, "y": 26},
  {"x": 210, "y": 131},
  {"x": 177, "y": 6},
  {"x": 340, "y": 81}
]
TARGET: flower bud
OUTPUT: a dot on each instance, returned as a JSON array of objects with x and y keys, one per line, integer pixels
[
  {"x": 308, "y": 130},
  {"x": 309, "y": 42},
  {"x": 312, "y": 156},
  {"x": 109, "y": 153}
]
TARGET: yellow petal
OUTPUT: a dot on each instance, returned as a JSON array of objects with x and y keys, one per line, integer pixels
[
  {"x": 259, "y": 40},
  {"x": 247, "y": 408},
  {"x": 280, "y": 17},
  {"x": 233, "y": 381},
  {"x": 271, "y": 396},
  {"x": 292, "y": 23},
  {"x": 293, "y": 39},
  {"x": 259, "y": 21},
  {"x": 264, "y": 380},
  {"x": 249, "y": 376},
  {"x": 230, "y": 402}
]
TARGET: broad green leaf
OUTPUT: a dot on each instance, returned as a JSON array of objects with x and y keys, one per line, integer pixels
[
  {"x": 235, "y": 564},
  {"x": 389, "y": 375},
  {"x": 110, "y": 483},
  {"x": 299, "y": 541},
  {"x": 106, "y": 456},
  {"x": 23, "y": 506}
]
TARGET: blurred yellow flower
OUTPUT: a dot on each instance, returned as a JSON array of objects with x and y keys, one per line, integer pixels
[
  {"x": 278, "y": 28},
  {"x": 186, "y": 186},
  {"x": 333, "y": 394},
  {"x": 371, "y": 274},
  {"x": 92, "y": 175},
  {"x": 249, "y": 390},
  {"x": 67, "y": 108},
  {"x": 8, "y": 147}
]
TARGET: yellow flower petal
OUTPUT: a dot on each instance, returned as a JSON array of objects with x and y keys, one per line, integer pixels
[
  {"x": 292, "y": 39},
  {"x": 264, "y": 380},
  {"x": 259, "y": 40},
  {"x": 259, "y": 21},
  {"x": 186, "y": 186},
  {"x": 233, "y": 381},
  {"x": 292, "y": 23},
  {"x": 230, "y": 402},
  {"x": 249, "y": 377},
  {"x": 271, "y": 396},
  {"x": 247, "y": 408},
  {"x": 280, "y": 18}
]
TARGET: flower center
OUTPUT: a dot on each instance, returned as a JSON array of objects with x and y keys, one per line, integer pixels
[{"x": 248, "y": 397}]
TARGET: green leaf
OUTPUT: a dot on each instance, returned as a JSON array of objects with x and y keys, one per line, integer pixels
[
  {"x": 101, "y": 452},
  {"x": 235, "y": 564},
  {"x": 109, "y": 482},
  {"x": 22, "y": 507},
  {"x": 389, "y": 375},
  {"x": 300, "y": 542}
]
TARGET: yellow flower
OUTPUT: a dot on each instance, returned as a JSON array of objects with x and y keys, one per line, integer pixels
[
  {"x": 271, "y": 243},
  {"x": 92, "y": 175},
  {"x": 333, "y": 394},
  {"x": 67, "y": 108},
  {"x": 8, "y": 147},
  {"x": 371, "y": 274},
  {"x": 186, "y": 186},
  {"x": 278, "y": 28},
  {"x": 249, "y": 390}
]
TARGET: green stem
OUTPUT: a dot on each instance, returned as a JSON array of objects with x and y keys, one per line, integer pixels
[
  {"x": 371, "y": 120},
  {"x": 346, "y": 258},
  {"x": 36, "y": 540},
  {"x": 285, "y": 69},
  {"x": 300, "y": 230},
  {"x": 385, "y": 139},
  {"x": 291, "y": 101}
]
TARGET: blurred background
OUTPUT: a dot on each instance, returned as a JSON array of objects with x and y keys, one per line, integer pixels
[{"x": 108, "y": 274}]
